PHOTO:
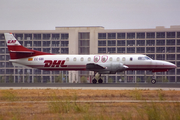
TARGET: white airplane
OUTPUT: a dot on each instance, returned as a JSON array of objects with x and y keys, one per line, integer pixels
[{"x": 102, "y": 64}]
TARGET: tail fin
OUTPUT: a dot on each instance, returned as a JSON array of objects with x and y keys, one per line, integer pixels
[{"x": 17, "y": 51}]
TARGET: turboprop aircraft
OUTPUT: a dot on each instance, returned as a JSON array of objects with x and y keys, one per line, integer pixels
[{"x": 100, "y": 64}]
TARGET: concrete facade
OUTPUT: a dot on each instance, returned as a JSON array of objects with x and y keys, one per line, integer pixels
[{"x": 159, "y": 43}]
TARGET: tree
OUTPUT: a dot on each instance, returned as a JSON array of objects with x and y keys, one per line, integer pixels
[{"x": 83, "y": 79}]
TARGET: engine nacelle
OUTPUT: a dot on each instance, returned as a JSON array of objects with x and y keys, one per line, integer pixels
[{"x": 112, "y": 68}]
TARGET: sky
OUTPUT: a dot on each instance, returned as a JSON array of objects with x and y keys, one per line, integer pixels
[{"x": 111, "y": 14}]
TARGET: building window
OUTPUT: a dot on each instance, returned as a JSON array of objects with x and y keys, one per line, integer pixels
[
  {"x": 38, "y": 49},
  {"x": 64, "y": 50},
  {"x": 170, "y": 56},
  {"x": 178, "y": 65},
  {"x": 178, "y": 41},
  {"x": 121, "y": 43},
  {"x": 160, "y": 42},
  {"x": 140, "y": 35},
  {"x": 150, "y": 42},
  {"x": 170, "y": 34},
  {"x": 130, "y": 42},
  {"x": 160, "y": 57},
  {"x": 150, "y": 50},
  {"x": 152, "y": 56},
  {"x": 170, "y": 49},
  {"x": 150, "y": 35},
  {"x": 102, "y": 43},
  {"x": 2, "y": 43},
  {"x": 120, "y": 35},
  {"x": 130, "y": 35},
  {"x": 64, "y": 36},
  {"x": 131, "y": 50},
  {"x": 1, "y": 36},
  {"x": 84, "y": 50},
  {"x": 121, "y": 50},
  {"x": 170, "y": 42},
  {"x": 178, "y": 56},
  {"x": 55, "y": 36},
  {"x": 160, "y": 35},
  {"x": 84, "y": 35},
  {"x": 46, "y": 50},
  {"x": 178, "y": 34},
  {"x": 46, "y": 43},
  {"x": 46, "y": 36},
  {"x": 28, "y": 43},
  {"x": 111, "y": 35},
  {"x": 111, "y": 50},
  {"x": 140, "y": 50},
  {"x": 178, "y": 49},
  {"x": 19, "y": 36},
  {"x": 140, "y": 42},
  {"x": 36, "y": 43},
  {"x": 55, "y": 43},
  {"x": 111, "y": 43},
  {"x": 7, "y": 57},
  {"x": 37, "y": 36},
  {"x": 101, "y": 35},
  {"x": 101, "y": 50},
  {"x": 160, "y": 49},
  {"x": 64, "y": 43},
  {"x": 55, "y": 50}
]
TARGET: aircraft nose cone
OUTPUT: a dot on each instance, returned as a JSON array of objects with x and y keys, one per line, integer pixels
[{"x": 171, "y": 65}]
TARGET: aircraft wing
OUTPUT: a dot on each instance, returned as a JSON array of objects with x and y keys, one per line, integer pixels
[{"x": 92, "y": 66}]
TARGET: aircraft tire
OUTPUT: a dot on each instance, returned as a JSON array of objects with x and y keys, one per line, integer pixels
[
  {"x": 94, "y": 81},
  {"x": 100, "y": 81},
  {"x": 153, "y": 81}
]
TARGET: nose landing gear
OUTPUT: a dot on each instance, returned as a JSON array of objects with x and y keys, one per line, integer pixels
[{"x": 153, "y": 81}]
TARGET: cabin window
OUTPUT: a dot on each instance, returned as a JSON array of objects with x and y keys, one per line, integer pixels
[
  {"x": 123, "y": 59},
  {"x": 74, "y": 59},
  {"x": 89, "y": 59},
  {"x": 67, "y": 59},
  {"x": 82, "y": 59},
  {"x": 118, "y": 58},
  {"x": 110, "y": 59},
  {"x": 131, "y": 58}
]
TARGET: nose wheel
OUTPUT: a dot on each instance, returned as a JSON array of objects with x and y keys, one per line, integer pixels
[{"x": 153, "y": 81}]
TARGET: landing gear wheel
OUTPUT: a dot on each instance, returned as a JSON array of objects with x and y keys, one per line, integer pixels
[
  {"x": 100, "y": 81},
  {"x": 94, "y": 81},
  {"x": 153, "y": 81}
]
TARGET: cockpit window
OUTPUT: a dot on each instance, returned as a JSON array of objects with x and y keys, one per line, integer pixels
[{"x": 144, "y": 58}]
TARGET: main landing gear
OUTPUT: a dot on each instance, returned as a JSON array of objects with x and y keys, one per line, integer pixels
[
  {"x": 153, "y": 81},
  {"x": 97, "y": 78}
]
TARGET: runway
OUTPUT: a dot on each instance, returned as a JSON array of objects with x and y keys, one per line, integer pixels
[{"x": 109, "y": 86}]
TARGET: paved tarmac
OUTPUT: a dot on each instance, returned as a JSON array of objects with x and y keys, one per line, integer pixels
[{"x": 110, "y": 86}]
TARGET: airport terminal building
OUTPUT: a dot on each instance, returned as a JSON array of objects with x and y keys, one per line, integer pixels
[{"x": 159, "y": 43}]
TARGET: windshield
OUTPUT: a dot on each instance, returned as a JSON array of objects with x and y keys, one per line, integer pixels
[{"x": 144, "y": 58}]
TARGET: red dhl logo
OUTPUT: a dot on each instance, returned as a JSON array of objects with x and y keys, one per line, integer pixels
[
  {"x": 55, "y": 63},
  {"x": 11, "y": 41}
]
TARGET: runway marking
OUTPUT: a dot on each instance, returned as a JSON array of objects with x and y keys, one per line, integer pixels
[{"x": 100, "y": 101}]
